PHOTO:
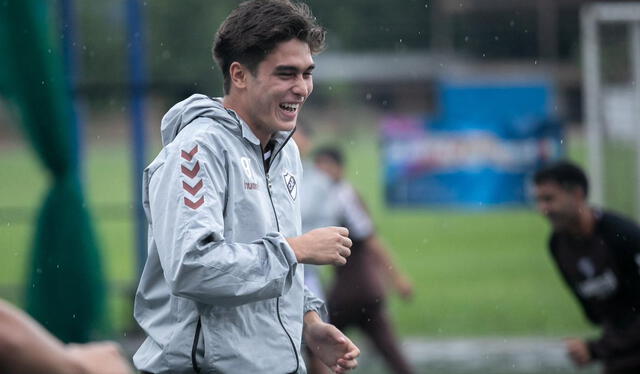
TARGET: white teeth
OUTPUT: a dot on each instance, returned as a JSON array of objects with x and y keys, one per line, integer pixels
[{"x": 290, "y": 107}]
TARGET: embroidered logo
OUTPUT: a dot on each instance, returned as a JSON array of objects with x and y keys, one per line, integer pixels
[
  {"x": 250, "y": 183},
  {"x": 193, "y": 186},
  {"x": 586, "y": 267},
  {"x": 246, "y": 166},
  {"x": 292, "y": 185}
]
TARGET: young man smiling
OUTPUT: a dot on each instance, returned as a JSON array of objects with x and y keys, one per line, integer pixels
[
  {"x": 598, "y": 255},
  {"x": 223, "y": 288}
]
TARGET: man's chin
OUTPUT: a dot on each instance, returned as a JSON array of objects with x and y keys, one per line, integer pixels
[
  {"x": 559, "y": 226},
  {"x": 287, "y": 126}
]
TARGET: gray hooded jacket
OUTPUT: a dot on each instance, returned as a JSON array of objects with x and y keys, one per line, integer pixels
[{"x": 221, "y": 291}]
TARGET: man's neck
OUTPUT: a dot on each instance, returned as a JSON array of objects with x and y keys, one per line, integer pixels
[
  {"x": 236, "y": 104},
  {"x": 585, "y": 222}
]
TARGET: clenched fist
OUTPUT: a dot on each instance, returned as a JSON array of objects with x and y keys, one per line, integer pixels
[{"x": 326, "y": 245}]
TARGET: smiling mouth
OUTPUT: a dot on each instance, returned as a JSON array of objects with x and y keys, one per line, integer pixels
[{"x": 291, "y": 108}]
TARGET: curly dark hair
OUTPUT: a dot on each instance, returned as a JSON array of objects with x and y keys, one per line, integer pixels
[{"x": 254, "y": 29}]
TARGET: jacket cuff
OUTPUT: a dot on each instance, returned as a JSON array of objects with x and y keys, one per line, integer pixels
[
  {"x": 288, "y": 252},
  {"x": 595, "y": 353},
  {"x": 314, "y": 304}
]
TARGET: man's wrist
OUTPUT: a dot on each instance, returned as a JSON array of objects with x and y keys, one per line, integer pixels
[
  {"x": 294, "y": 243},
  {"x": 73, "y": 363},
  {"x": 311, "y": 317}
]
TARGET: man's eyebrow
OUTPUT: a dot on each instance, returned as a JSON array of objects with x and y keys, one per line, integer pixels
[{"x": 291, "y": 69}]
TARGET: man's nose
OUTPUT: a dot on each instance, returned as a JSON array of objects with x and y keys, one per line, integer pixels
[{"x": 301, "y": 87}]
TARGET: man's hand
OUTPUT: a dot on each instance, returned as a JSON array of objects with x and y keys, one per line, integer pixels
[
  {"x": 326, "y": 245},
  {"x": 329, "y": 345},
  {"x": 98, "y": 358},
  {"x": 578, "y": 351},
  {"x": 404, "y": 287}
]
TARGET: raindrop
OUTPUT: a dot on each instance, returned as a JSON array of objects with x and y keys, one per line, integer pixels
[
  {"x": 400, "y": 40},
  {"x": 73, "y": 316},
  {"x": 466, "y": 38},
  {"x": 368, "y": 96}
]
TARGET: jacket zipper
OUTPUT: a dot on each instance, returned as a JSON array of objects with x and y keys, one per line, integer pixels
[
  {"x": 275, "y": 214},
  {"x": 194, "y": 348}
]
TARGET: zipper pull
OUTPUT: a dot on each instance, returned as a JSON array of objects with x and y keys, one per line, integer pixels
[{"x": 269, "y": 185}]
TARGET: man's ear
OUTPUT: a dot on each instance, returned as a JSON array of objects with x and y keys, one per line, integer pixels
[
  {"x": 238, "y": 74},
  {"x": 578, "y": 192}
]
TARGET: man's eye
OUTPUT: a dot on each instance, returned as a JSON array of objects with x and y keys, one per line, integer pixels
[{"x": 307, "y": 74}]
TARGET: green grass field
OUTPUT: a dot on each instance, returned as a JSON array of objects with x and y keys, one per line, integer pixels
[{"x": 479, "y": 273}]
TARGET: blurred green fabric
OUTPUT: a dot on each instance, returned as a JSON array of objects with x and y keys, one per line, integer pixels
[{"x": 65, "y": 289}]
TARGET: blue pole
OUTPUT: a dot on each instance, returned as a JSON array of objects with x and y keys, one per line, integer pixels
[
  {"x": 137, "y": 90},
  {"x": 71, "y": 72}
]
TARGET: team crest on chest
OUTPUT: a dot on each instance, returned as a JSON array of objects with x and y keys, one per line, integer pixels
[{"x": 291, "y": 184}]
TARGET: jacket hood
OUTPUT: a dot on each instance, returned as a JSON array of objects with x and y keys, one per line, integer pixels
[{"x": 186, "y": 111}]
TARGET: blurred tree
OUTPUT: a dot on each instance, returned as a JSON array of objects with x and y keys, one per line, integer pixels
[{"x": 65, "y": 291}]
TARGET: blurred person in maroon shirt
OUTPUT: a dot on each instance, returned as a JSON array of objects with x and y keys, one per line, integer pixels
[{"x": 358, "y": 295}]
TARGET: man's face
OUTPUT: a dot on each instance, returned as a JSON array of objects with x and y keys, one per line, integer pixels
[
  {"x": 560, "y": 205},
  {"x": 329, "y": 167},
  {"x": 280, "y": 86}
]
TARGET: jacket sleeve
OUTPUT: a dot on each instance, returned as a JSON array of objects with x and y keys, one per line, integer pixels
[
  {"x": 313, "y": 303},
  {"x": 623, "y": 237},
  {"x": 187, "y": 201},
  {"x": 616, "y": 343}
]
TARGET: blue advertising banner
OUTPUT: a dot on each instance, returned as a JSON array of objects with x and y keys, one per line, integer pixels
[{"x": 480, "y": 150}]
